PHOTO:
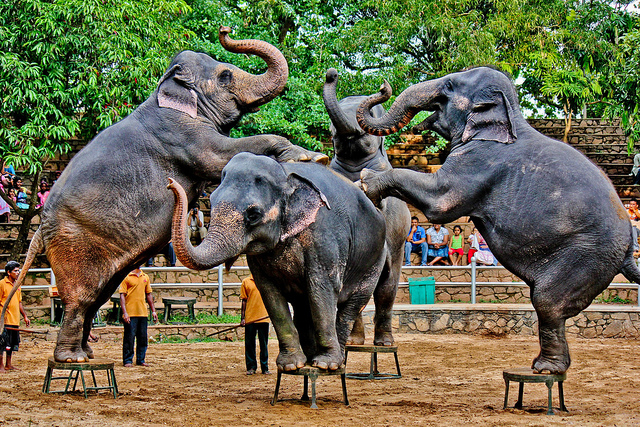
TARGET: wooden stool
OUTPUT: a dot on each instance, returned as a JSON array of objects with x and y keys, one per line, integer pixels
[
  {"x": 169, "y": 301},
  {"x": 526, "y": 375},
  {"x": 373, "y": 373},
  {"x": 79, "y": 368},
  {"x": 313, "y": 373}
]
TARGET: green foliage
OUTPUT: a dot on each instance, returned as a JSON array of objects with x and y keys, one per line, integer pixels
[
  {"x": 202, "y": 318},
  {"x": 69, "y": 68},
  {"x": 613, "y": 300},
  {"x": 176, "y": 339}
]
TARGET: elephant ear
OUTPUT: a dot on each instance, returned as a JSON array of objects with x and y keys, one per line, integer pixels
[
  {"x": 176, "y": 91},
  {"x": 491, "y": 119},
  {"x": 303, "y": 201}
]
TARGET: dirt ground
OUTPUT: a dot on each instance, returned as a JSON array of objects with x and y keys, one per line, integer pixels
[{"x": 446, "y": 380}]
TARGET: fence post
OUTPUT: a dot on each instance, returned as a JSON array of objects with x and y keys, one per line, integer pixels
[
  {"x": 473, "y": 280},
  {"x": 53, "y": 284},
  {"x": 220, "y": 293}
]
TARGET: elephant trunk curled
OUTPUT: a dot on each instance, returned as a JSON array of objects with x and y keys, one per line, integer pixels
[
  {"x": 264, "y": 87},
  {"x": 337, "y": 116},
  {"x": 222, "y": 241},
  {"x": 410, "y": 102}
]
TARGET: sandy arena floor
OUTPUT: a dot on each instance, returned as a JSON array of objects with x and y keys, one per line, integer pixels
[{"x": 447, "y": 380}]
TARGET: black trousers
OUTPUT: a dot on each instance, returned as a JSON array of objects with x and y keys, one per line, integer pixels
[
  {"x": 136, "y": 329},
  {"x": 250, "y": 330}
]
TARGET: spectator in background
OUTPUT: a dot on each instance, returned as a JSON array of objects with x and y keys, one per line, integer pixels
[
  {"x": 196, "y": 225},
  {"x": 5, "y": 211},
  {"x": 634, "y": 217},
  {"x": 416, "y": 241},
  {"x": 635, "y": 169},
  {"x": 473, "y": 244},
  {"x": 438, "y": 241},
  {"x": 8, "y": 169},
  {"x": 457, "y": 245},
  {"x": 21, "y": 193},
  {"x": 484, "y": 256},
  {"x": 169, "y": 255},
  {"x": 56, "y": 175},
  {"x": 14, "y": 310},
  {"x": 43, "y": 193}
]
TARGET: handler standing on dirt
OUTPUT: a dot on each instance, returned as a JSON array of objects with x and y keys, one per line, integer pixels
[
  {"x": 14, "y": 310},
  {"x": 255, "y": 319},
  {"x": 134, "y": 289}
]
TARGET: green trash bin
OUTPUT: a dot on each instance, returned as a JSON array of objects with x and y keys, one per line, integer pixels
[{"x": 422, "y": 290}]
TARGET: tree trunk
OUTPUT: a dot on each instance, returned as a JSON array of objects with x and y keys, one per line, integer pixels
[{"x": 568, "y": 112}]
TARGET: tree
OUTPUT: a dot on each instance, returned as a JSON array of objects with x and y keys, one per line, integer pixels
[{"x": 69, "y": 68}]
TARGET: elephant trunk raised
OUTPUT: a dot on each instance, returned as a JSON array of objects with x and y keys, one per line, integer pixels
[
  {"x": 410, "y": 102},
  {"x": 268, "y": 85},
  {"x": 222, "y": 242},
  {"x": 337, "y": 116}
]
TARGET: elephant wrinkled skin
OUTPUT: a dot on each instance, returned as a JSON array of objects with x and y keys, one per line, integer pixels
[
  {"x": 355, "y": 150},
  {"x": 110, "y": 211},
  {"x": 549, "y": 215},
  {"x": 312, "y": 239}
]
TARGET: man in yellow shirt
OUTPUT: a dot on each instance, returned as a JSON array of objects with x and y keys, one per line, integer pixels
[
  {"x": 134, "y": 289},
  {"x": 255, "y": 319},
  {"x": 14, "y": 310}
]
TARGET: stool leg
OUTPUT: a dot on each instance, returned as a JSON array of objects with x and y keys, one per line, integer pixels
[
  {"x": 520, "y": 395},
  {"x": 115, "y": 384},
  {"x": 371, "y": 369},
  {"x": 395, "y": 354},
  {"x": 93, "y": 375},
  {"x": 66, "y": 389},
  {"x": 275, "y": 395},
  {"x": 550, "y": 399},
  {"x": 375, "y": 363},
  {"x": 167, "y": 309},
  {"x": 47, "y": 381},
  {"x": 343, "y": 377},
  {"x": 561, "y": 397},
  {"x": 313, "y": 390},
  {"x": 84, "y": 385},
  {"x": 305, "y": 391},
  {"x": 506, "y": 393},
  {"x": 192, "y": 312}
]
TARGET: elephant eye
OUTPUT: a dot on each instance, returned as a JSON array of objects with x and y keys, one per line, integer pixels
[
  {"x": 253, "y": 215},
  {"x": 448, "y": 86},
  {"x": 225, "y": 77}
]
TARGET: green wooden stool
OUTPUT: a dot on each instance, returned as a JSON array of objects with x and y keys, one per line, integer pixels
[
  {"x": 313, "y": 373},
  {"x": 373, "y": 373},
  {"x": 79, "y": 368},
  {"x": 168, "y": 302},
  {"x": 526, "y": 375}
]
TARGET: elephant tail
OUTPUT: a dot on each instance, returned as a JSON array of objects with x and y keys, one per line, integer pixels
[
  {"x": 629, "y": 268},
  {"x": 36, "y": 246}
]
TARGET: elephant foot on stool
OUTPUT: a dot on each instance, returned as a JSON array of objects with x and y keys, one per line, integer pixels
[
  {"x": 290, "y": 361},
  {"x": 327, "y": 361},
  {"x": 357, "y": 333},
  {"x": 70, "y": 355},
  {"x": 88, "y": 350},
  {"x": 383, "y": 338},
  {"x": 552, "y": 364}
]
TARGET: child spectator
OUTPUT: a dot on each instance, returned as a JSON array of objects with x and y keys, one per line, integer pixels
[
  {"x": 5, "y": 211},
  {"x": 484, "y": 256},
  {"x": 473, "y": 244},
  {"x": 438, "y": 241},
  {"x": 43, "y": 193},
  {"x": 457, "y": 245},
  {"x": 134, "y": 289},
  {"x": 21, "y": 193},
  {"x": 14, "y": 310}
]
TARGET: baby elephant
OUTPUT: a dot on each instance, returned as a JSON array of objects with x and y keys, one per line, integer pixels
[{"x": 312, "y": 239}]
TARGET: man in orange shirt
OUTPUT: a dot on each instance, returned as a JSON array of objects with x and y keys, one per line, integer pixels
[
  {"x": 134, "y": 289},
  {"x": 255, "y": 319},
  {"x": 14, "y": 310}
]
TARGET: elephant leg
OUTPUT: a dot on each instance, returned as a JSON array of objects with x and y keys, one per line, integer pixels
[
  {"x": 357, "y": 333},
  {"x": 304, "y": 324},
  {"x": 86, "y": 330},
  {"x": 69, "y": 347},
  {"x": 291, "y": 356},
  {"x": 554, "y": 351},
  {"x": 384, "y": 296},
  {"x": 323, "y": 301}
]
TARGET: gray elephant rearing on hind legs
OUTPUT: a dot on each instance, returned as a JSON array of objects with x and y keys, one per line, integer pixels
[
  {"x": 109, "y": 211},
  {"x": 355, "y": 150},
  {"x": 549, "y": 215}
]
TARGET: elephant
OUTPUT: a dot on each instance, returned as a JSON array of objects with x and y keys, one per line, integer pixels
[
  {"x": 549, "y": 215},
  {"x": 312, "y": 239},
  {"x": 355, "y": 150},
  {"x": 109, "y": 211}
]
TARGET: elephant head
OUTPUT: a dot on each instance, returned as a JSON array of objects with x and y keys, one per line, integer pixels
[
  {"x": 349, "y": 140},
  {"x": 257, "y": 205},
  {"x": 480, "y": 103},
  {"x": 221, "y": 93}
]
